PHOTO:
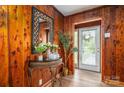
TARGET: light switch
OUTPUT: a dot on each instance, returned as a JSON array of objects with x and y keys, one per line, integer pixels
[{"x": 107, "y": 35}]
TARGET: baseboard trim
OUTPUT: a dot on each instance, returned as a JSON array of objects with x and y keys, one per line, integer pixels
[{"x": 114, "y": 83}]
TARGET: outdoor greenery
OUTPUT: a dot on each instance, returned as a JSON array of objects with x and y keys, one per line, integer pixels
[{"x": 88, "y": 46}]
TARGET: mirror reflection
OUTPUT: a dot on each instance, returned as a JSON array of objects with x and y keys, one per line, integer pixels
[
  {"x": 42, "y": 28},
  {"x": 44, "y": 31}
]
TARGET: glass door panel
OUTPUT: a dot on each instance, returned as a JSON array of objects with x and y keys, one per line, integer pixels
[{"x": 89, "y": 48}]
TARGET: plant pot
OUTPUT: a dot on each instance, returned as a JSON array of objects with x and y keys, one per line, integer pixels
[
  {"x": 40, "y": 58},
  {"x": 65, "y": 71},
  {"x": 45, "y": 56}
]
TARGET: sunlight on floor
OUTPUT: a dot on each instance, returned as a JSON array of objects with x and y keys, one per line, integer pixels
[{"x": 83, "y": 78}]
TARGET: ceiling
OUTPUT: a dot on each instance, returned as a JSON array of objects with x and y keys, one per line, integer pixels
[{"x": 72, "y": 9}]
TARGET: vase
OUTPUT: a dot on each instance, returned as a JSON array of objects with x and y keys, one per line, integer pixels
[
  {"x": 65, "y": 71},
  {"x": 45, "y": 56},
  {"x": 40, "y": 58}
]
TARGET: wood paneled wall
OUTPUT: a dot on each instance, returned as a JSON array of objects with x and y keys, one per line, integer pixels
[
  {"x": 119, "y": 42},
  {"x": 15, "y": 40},
  {"x": 18, "y": 29},
  {"x": 112, "y": 20},
  {"x": 4, "y": 63}
]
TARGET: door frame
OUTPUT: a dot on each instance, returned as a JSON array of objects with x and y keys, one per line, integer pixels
[
  {"x": 91, "y": 68},
  {"x": 77, "y": 65},
  {"x": 102, "y": 43}
]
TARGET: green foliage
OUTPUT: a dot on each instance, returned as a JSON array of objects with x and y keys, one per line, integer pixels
[
  {"x": 89, "y": 45},
  {"x": 43, "y": 47},
  {"x": 75, "y": 49},
  {"x": 53, "y": 47},
  {"x": 64, "y": 39},
  {"x": 67, "y": 44}
]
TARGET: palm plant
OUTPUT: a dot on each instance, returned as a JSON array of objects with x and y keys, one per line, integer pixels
[{"x": 67, "y": 45}]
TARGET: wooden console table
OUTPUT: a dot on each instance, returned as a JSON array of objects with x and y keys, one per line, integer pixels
[{"x": 52, "y": 65}]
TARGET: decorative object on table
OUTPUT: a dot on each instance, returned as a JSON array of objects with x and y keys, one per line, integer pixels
[
  {"x": 40, "y": 58},
  {"x": 53, "y": 55},
  {"x": 54, "y": 48},
  {"x": 47, "y": 50},
  {"x": 68, "y": 49},
  {"x": 42, "y": 48}
]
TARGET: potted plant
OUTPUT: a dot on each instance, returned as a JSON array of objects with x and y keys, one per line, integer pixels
[
  {"x": 68, "y": 49},
  {"x": 53, "y": 55},
  {"x": 45, "y": 49},
  {"x": 42, "y": 48},
  {"x": 54, "y": 48}
]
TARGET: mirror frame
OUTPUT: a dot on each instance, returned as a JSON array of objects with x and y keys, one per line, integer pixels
[{"x": 36, "y": 14}]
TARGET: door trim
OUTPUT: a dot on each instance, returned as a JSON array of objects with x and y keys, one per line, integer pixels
[
  {"x": 98, "y": 42},
  {"x": 102, "y": 29}
]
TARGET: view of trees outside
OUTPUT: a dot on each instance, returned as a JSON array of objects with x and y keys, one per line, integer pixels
[{"x": 88, "y": 47}]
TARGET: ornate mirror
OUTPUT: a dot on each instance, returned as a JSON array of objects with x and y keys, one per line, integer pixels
[{"x": 42, "y": 28}]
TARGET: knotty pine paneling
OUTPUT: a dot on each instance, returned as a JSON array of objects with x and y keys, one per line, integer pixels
[
  {"x": 119, "y": 26},
  {"x": 18, "y": 28},
  {"x": 4, "y": 72},
  {"x": 58, "y": 25},
  {"x": 16, "y": 45},
  {"x": 112, "y": 20},
  {"x": 27, "y": 38}
]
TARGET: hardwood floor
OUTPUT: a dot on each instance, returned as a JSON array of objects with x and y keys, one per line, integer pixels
[{"x": 83, "y": 78}]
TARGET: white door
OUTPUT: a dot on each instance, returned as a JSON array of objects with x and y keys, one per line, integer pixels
[{"x": 89, "y": 48}]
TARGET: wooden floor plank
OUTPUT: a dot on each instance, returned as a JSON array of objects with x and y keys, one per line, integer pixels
[{"x": 83, "y": 78}]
